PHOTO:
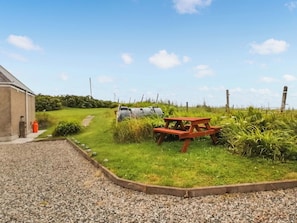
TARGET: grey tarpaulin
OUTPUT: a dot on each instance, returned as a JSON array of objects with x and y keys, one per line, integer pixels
[{"x": 126, "y": 112}]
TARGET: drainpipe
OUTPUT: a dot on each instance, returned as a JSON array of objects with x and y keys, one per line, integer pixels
[{"x": 27, "y": 113}]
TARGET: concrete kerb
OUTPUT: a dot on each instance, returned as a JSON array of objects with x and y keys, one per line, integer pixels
[{"x": 187, "y": 192}]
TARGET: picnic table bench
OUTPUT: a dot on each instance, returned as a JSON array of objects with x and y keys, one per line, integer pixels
[{"x": 187, "y": 128}]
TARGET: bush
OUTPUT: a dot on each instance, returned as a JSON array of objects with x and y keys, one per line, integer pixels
[
  {"x": 51, "y": 103},
  {"x": 66, "y": 128},
  {"x": 47, "y": 103}
]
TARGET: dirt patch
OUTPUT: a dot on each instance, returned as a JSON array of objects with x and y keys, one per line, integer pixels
[{"x": 87, "y": 120}]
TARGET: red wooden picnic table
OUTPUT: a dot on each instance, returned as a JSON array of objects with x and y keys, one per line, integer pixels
[{"x": 187, "y": 128}]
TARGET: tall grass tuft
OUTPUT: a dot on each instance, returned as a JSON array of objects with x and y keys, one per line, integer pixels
[
  {"x": 135, "y": 130},
  {"x": 255, "y": 134},
  {"x": 44, "y": 120}
]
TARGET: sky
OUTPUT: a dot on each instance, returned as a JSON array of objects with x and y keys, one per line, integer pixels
[{"x": 182, "y": 51}]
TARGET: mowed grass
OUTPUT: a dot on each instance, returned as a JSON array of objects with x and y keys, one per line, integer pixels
[{"x": 203, "y": 165}]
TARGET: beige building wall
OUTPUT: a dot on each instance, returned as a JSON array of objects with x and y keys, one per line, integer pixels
[
  {"x": 5, "y": 111},
  {"x": 14, "y": 104}
]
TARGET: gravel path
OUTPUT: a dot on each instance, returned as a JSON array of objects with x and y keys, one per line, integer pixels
[{"x": 51, "y": 182}]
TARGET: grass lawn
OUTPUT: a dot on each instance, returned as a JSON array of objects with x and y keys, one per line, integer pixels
[{"x": 203, "y": 165}]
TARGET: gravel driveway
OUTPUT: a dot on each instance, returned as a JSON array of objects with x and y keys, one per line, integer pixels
[{"x": 51, "y": 182}]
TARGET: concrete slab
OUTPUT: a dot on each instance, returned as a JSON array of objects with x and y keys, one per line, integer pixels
[{"x": 30, "y": 137}]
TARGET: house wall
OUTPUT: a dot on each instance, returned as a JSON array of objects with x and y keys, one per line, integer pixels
[
  {"x": 17, "y": 103},
  {"x": 5, "y": 111},
  {"x": 31, "y": 111}
]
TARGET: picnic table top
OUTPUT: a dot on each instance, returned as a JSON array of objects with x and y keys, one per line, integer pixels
[{"x": 190, "y": 119}]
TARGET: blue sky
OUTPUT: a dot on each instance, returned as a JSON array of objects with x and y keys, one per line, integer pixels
[{"x": 179, "y": 50}]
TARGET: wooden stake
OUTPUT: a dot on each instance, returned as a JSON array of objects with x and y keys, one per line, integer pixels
[
  {"x": 227, "y": 99},
  {"x": 283, "y": 105}
]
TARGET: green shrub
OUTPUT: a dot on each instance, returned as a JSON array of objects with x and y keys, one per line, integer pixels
[
  {"x": 47, "y": 103},
  {"x": 66, "y": 128}
]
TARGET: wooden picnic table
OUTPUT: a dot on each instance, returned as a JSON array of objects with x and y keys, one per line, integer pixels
[{"x": 187, "y": 128}]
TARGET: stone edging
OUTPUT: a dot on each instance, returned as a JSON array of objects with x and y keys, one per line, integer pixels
[{"x": 187, "y": 192}]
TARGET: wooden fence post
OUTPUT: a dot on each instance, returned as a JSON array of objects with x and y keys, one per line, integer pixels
[
  {"x": 283, "y": 105},
  {"x": 227, "y": 99}
]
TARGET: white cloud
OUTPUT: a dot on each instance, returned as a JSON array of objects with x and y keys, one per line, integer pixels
[
  {"x": 164, "y": 60},
  {"x": 268, "y": 79},
  {"x": 204, "y": 88},
  {"x": 133, "y": 90},
  {"x": 14, "y": 56},
  {"x": 250, "y": 62},
  {"x": 270, "y": 46},
  {"x": 186, "y": 59},
  {"x": 203, "y": 71},
  {"x": 22, "y": 42},
  {"x": 212, "y": 89},
  {"x": 127, "y": 58},
  {"x": 104, "y": 79},
  {"x": 17, "y": 57},
  {"x": 263, "y": 65},
  {"x": 289, "y": 77},
  {"x": 236, "y": 90},
  {"x": 291, "y": 5},
  {"x": 64, "y": 77},
  {"x": 190, "y": 6},
  {"x": 263, "y": 91}
]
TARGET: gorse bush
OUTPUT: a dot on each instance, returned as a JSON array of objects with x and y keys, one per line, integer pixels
[
  {"x": 66, "y": 128},
  {"x": 74, "y": 101},
  {"x": 51, "y": 103},
  {"x": 47, "y": 103}
]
